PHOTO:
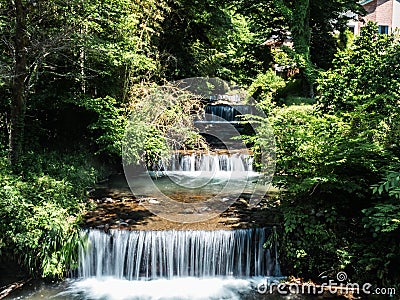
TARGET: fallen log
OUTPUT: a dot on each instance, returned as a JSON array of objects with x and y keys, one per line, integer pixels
[{"x": 8, "y": 289}]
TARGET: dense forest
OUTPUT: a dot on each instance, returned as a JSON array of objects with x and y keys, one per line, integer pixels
[{"x": 71, "y": 72}]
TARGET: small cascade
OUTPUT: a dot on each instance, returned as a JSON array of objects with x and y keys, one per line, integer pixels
[
  {"x": 135, "y": 255},
  {"x": 221, "y": 128},
  {"x": 206, "y": 162},
  {"x": 229, "y": 113}
]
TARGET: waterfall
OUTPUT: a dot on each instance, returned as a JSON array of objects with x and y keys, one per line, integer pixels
[
  {"x": 217, "y": 119},
  {"x": 137, "y": 255},
  {"x": 204, "y": 162},
  {"x": 227, "y": 112}
]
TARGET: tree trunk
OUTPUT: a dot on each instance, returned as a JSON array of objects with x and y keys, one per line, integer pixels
[
  {"x": 18, "y": 101},
  {"x": 301, "y": 33}
]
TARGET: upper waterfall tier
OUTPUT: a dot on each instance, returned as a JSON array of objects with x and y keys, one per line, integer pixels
[
  {"x": 207, "y": 162},
  {"x": 229, "y": 113}
]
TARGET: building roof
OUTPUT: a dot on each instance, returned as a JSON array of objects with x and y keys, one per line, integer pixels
[{"x": 363, "y": 2}]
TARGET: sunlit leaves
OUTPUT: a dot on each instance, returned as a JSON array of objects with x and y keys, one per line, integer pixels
[{"x": 39, "y": 214}]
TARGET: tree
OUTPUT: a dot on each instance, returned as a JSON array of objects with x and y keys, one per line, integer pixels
[
  {"x": 28, "y": 38},
  {"x": 328, "y": 20},
  {"x": 18, "y": 86},
  {"x": 207, "y": 38},
  {"x": 57, "y": 54},
  {"x": 311, "y": 24},
  {"x": 331, "y": 158},
  {"x": 364, "y": 85}
]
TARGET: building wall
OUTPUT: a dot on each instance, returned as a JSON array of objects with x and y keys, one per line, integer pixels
[
  {"x": 384, "y": 13},
  {"x": 396, "y": 15},
  {"x": 353, "y": 22}
]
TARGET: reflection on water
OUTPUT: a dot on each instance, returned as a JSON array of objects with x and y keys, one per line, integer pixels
[{"x": 198, "y": 188}]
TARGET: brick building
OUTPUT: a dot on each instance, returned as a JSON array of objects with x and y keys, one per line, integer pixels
[{"x": 386, "y": 13}]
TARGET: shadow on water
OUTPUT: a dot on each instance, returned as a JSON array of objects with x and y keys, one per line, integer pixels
[{"x": 116, "y": 206}]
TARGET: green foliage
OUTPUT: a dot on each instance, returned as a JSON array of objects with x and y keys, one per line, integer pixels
[
  {"x": 39, "y": 215},
  {"x": 88, "y": 68},
  {"x": 262, "y": 144},
  {"x": 161, "y": 121},
  {"x": 330, "y": 158},
  {"x": 108, "y": 127},
  {"x": 295, "y": 100},
  {"x": 309, "y": 232},
  {"x": 208, "y": 39},
  {"x": 116, "y": 39},
  {"x": 327, "y": 187},
  {"x": 311, "y": 24},
  {"x": 264, "y": 89},
  {"x": 364, "y": 77},
  {"x": 382, "y": 217},
  {"x": 390, "y": 185}
]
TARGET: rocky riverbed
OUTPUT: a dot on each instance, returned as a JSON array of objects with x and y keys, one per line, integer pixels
[{"x": 114, "y": 206}]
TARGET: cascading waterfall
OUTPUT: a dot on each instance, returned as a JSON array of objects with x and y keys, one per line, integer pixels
[
  {"x": 227, "y": 112},
  {"x": 137, "y": 255},
  {"x": 194, "y": 162},
  {"x": 213, "y": 162}
]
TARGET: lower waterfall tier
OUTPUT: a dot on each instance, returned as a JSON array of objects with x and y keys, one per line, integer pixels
[{"x": 135, "y": 255}]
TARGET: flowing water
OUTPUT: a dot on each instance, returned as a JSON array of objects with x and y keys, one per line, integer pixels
[
  {"x": 135, "y": 255},
  {"x": 195, "y": 176},
  {"x": 207, "y": 162},
  {"x": 223, "y": 264},
  {"x": 230, "y": 113}
]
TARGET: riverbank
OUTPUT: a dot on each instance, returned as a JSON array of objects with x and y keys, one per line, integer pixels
[{"x": 12, "y": 277}]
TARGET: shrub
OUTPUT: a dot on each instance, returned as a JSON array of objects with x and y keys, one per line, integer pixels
[{"x": 40, "y": 213}]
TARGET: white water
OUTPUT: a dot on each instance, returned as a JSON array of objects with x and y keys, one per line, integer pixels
[
  {"x": 179, "y": 288},
  {"x": 110, "y": 288},
  {"x": 227, "y": 112},
  {"x": 138, "y": 255},
  {"x": 208, "y": 163},
  {"x": 167, "y": 265}
]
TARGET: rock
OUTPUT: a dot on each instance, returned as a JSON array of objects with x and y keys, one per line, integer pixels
[
  {"x": 203, "y": 209},
  {"x": 91, "y": 191},
  {"x": 153, "y": 201},
  {"x": 242, "y": 201}
]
